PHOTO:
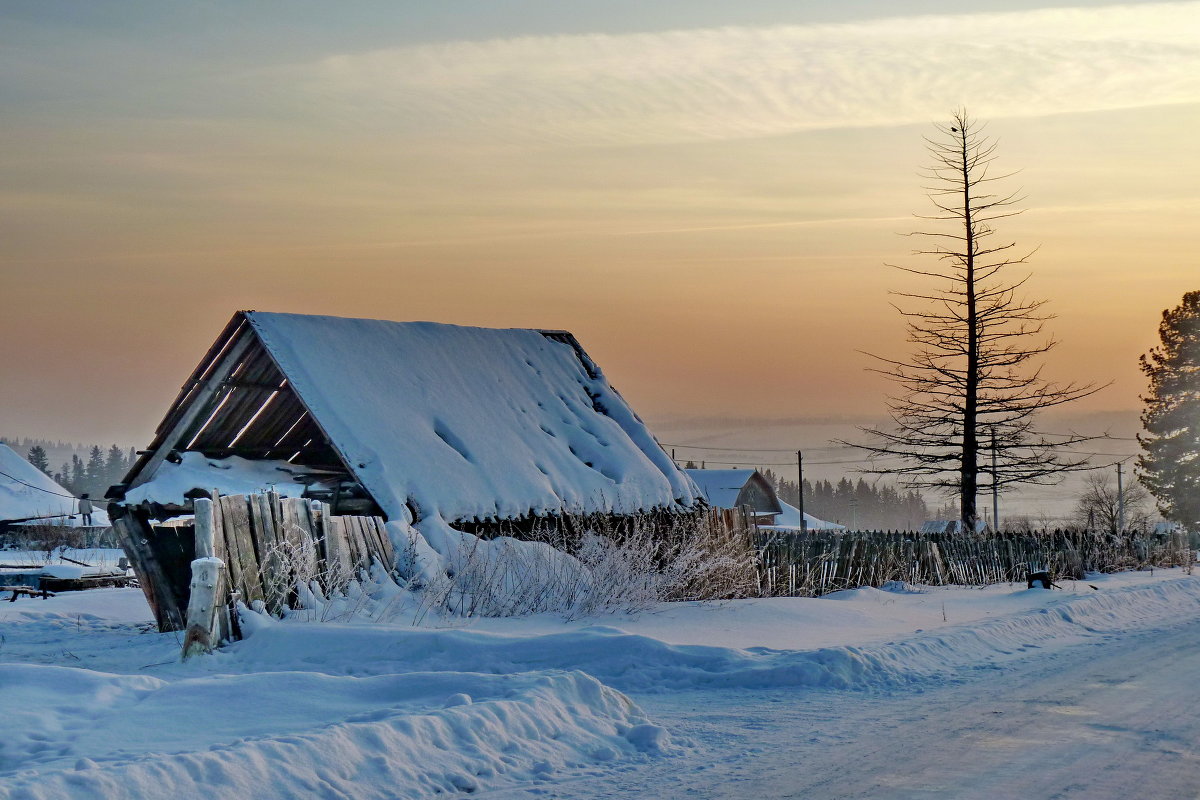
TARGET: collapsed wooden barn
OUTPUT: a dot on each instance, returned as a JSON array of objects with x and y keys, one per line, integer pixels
[{"x": 419, "y": 424}]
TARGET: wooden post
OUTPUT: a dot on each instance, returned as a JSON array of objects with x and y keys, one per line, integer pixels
[
  {"x": 203, "y": 622},
  {"x": 202, "y": 634},
  {"x": 134, "y": 531}
]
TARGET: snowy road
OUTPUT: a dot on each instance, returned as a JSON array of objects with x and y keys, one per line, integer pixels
[
  {"x": 1000, "y": 692},
  {"x": 1115, "y": 718}
]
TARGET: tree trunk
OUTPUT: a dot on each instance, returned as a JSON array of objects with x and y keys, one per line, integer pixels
[{"x": 969, "y": 466}]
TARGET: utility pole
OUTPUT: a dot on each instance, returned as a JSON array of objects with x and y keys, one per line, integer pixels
[
  {"x": 800, "y": 489},
  {"x": 1120, "y": 498},
  {"x": 995, "y": 488}
]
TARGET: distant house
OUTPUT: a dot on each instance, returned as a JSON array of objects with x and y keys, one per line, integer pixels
[
  {"x": 405, "y": 420},
  {"x": 733, "y": 488},
  {"x": 1164, "y": 529},
  {"x": 29, "y": 496}
]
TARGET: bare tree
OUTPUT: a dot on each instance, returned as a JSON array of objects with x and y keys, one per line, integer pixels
[
  {"x": 1100, "y": 506},
  {"x": 968, "y": 394}
]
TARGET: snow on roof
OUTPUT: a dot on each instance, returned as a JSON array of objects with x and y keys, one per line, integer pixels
[
  {"x": 26, "y": 491},
  {"x": 721, "y": 487},
  {"x": 233, "y": 475},
  {"x": 790, "y": 518},
  {"x": 471, "y": 422}
]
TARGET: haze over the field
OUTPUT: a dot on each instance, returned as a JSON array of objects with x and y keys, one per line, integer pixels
[{"x": 705, "y": 193}]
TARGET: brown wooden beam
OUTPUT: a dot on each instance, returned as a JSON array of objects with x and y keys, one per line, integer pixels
[{"x": 198, "y": 411}]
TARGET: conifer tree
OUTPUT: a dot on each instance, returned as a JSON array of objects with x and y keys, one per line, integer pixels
[
  {"x": 95, "y": 467},
  {"x": 114, "y": 466},
  {"x": 37, "y": 457},
  {"x": 1170, "y": 466},
  {"x": 78, "y": 474}
]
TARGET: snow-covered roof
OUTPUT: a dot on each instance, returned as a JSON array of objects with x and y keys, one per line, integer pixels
[
  {"x": 26, "y": 492},
  {"x": 453, "y": 421},
  {"x": 790, "y": 518},
  {"x": 731, "y": 488},
  {"x": 721, "y": 487}
]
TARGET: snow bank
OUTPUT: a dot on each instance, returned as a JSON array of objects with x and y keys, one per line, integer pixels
[
  {"x": 634, "y": 662},
  {"x": 365, "y": 711},
  {"x": 789, "y": 520},
  {"x": 85, "y": 734}
]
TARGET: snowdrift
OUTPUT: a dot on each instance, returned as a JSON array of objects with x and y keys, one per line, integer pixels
[
  {"x": 82, "y": 734},
  {"x": 633, "y": 662},
  {"x": 384, "y": 711}
]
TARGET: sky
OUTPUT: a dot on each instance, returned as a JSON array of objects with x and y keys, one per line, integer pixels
[{"x": 706, "y": 193}]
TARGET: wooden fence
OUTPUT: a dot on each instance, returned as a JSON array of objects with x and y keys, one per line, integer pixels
[
  {"x": 266, "y": 544},
  {"x": 817, "y": 562}
]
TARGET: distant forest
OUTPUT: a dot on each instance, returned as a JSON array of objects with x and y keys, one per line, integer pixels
[
  {"x": 78, "y": 468},
  {"x": 860, "y": 505}
]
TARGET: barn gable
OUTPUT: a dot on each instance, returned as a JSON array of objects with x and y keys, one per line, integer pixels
[
  {"x": 428, "y": 419},
  {"x": 732, "y": 488}
]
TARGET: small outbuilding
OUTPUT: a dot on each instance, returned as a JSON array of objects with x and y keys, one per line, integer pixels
[{"x": 735, "y": 488}]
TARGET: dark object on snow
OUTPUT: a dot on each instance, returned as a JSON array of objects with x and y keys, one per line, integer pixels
[
  {"x": 1041, "y": 580},
  {"x": 27, "y": 591}
]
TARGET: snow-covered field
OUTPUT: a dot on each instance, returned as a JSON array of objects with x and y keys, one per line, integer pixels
[{"x": 97, "y": 704}]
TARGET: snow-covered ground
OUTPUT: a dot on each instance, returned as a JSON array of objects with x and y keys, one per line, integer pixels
[{"x": 97, "y": 704}]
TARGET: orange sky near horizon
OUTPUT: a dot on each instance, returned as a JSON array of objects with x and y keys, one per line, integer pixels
[{"x": 719, "y": 252}]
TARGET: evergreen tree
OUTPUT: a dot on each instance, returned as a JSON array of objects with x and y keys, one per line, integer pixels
[
  {"x": 1170, "y": 465},
  {"x": 63, "y": 477},
  {"x": 37, "y": 457},
  {"x": 78, "y": 475},
  {"x": 114, "y": 466},
  {"x": 95, "y": 468}
]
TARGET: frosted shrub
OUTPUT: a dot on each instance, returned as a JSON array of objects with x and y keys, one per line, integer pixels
[
  {"x": 582, "y": 566},
  {"x": 574, "y": 566}
]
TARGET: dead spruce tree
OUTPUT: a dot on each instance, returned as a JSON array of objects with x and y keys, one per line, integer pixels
[{"x": 969, "y": 392}]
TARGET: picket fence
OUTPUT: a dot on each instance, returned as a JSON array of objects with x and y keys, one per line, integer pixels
[{"x": 813, "y": 563}]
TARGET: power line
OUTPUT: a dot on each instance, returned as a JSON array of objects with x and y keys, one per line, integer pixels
[
  {"x": 772, "y": 463},
  {"x": 39, "y": 488},
  {"x": 757, "y": 449}
]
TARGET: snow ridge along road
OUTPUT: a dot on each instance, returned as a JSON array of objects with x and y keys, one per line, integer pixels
[{"x": 391, "y": 711}]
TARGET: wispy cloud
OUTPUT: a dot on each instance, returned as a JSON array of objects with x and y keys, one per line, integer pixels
[{"x": 740, "y": 82}]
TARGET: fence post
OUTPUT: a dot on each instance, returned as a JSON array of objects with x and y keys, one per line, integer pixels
[{"x": 203, "y": 621}]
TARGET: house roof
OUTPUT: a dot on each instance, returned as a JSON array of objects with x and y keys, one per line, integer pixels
[
  {"x": 721, "y": 487},
  {"x": 453, "y": 421},
  {"x": 28, "y": 493},
  {"x": 730, "y": 488}
]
